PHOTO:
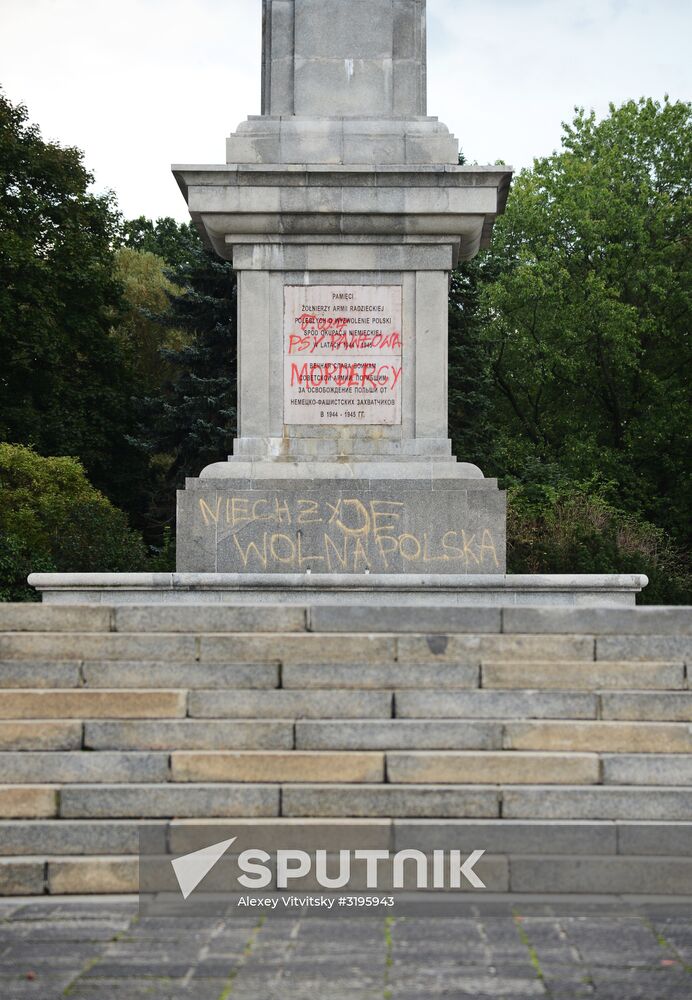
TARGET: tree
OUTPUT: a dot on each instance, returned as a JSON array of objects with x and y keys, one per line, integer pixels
[
  {"x": 176, "y": 243},
  {"x": 198, "y": 415},
  {"x": 53, "y": 520},
  {"x": 585, "y": 313},
  {"x": 144, "y": 328},
  {"x": 66, "y": 385},
  {"x": 190, "y": 421}
]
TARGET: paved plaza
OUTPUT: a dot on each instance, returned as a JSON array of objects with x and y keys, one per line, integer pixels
[{"x": 92, "y": 949}]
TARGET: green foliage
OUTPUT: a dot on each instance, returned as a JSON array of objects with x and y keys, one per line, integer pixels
[
  {"x": 176, "y": 243},
  {"x": 66, "y": 385},
  {"x": 192, "y": 419},
  {"x": 144, "y": 328},
  {"x": 589, "y": 315},
  {"x": 569, "y": 350},
  {"x": 574, "y": 528},
  {"x": 52, "y": 519},
  {"x": 187, "y": 416},
  {"x": 570, "y": 338},
  {"x": 198, "y": 418}
]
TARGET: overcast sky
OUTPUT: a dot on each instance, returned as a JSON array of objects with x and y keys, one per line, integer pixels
[{"x": 141, "y": 84}]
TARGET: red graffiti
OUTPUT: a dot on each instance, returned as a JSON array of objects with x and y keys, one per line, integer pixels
[{"x": 317, "y": 374}]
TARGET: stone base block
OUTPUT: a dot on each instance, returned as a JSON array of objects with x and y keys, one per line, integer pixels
[
  {"x": 357, "y": 590},
  {"x": 344, "y": 527}
]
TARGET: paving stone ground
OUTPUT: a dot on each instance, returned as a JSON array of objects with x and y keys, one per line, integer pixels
[{"x": 97, "y": 948}]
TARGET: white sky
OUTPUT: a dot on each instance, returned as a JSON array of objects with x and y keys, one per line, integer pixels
[{"x": 141, "y": 84}]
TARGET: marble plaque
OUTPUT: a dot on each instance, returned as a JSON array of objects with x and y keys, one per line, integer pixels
[{"x": 342, "y": 354}]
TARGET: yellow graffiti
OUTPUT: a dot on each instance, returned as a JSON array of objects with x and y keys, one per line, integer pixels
[
  {"x": 209, "y": 515},
  {"x": 358, "y": 535}
]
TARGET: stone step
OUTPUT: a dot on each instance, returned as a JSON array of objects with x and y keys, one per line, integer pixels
[
  {"x": 41, "y": 767},
  {"x": 293, "y": 704},
  {"x": 546, "y": 837},
  {"x": 136, "y": 674},
  {"x": 81, "y": 836},
  {"x": 526, "y": 874},
  {"x": 50, "y": 703},
  {"x": 151, "y": 618},
  {"x": 502, "y": 767},
  {"x": 578, "y": 802},
  {"x": 36, "y": 875},
  {"x": 494, "y": 734},
  {"x": 103, "y": 801},
  {"x": 651, "y": 620},
  {"x": 31, "y": 617},
  {"x": 356, "y": 734},
  {"x": 651, "y": 876},
  {"x": 390, "y": 800},
  {"x": 647, "y": 769},
  {"x": 616, "y": 737},
  {"x": 317, "y": 648},
  {"x": 40, "y": 735},
  {"x": 209, "y": 618},
  {"x": 569, "y": 675},
  {"x": 348, "y": 734},
  {"x": 189, "y": 734},
  {"x": 465, "y": 648},
  {"x": 477, "y": 801},
  {"x": 566, "y": 675},
  {"x": 638, "y": 706},
  {"x": 449, "y": 767},
  {"x": 622, "y": 706},
  {"x": 292, "y": 647},
  {"x": 241, "y": 648},
  {"x": 118, "y": 836},
  {"x": 277, "y": 766},
  {"x": 401, "y": 768},
  {"x": 40, "y": 673},
  {"x": 355, "y": 618},
  {"x": 71, "y": 645},
  {"x": 141, "y": 674},
  {"x": 654, "y": 620},
  {"x": 387, "y": 676},
  {"x": 28, "y": 801},
  {"x": 144, "y": 801},
  {"x": 644, "y": 647},
  {"x": 495, "y": 704}
]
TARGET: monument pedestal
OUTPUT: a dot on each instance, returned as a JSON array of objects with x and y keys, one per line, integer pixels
[
  {"x": 343, "y": 208},
  {"x": 350, "y": 526},
  {"x": 343, "y": 461}
]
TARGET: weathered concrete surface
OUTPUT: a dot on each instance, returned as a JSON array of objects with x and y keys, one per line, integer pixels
[
  {"x": 343, "y": 188},
  {"x": 360, "y": 592},
  {"x": 336, "y": 527},
  {"x": 372, "y": 54}
]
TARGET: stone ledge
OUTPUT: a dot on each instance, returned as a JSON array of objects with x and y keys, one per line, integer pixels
[{"x": 366, "y": 590}]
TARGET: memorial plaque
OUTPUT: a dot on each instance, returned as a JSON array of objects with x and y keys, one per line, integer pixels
[{"x": 342, "y": 354}]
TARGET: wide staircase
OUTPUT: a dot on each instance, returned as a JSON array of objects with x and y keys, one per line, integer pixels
[{"x": 557, "y": 740}]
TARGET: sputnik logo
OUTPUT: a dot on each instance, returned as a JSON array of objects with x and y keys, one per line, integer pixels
[
  {"x": 448, "y": 868},
  {"x": 190, "y": 869}
]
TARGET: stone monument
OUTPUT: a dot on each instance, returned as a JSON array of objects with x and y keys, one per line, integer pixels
[{"x": 343, "y": 208}]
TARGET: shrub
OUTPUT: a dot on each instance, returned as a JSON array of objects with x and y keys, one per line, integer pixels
[
  {"x": 575, "y": 528},
  {"x": 52, "y": 519}
]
